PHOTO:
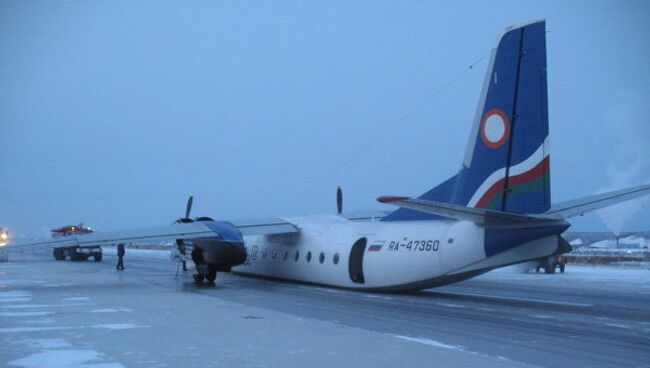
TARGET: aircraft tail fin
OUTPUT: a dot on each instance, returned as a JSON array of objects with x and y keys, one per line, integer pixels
[{"x": 506, "y": 166}]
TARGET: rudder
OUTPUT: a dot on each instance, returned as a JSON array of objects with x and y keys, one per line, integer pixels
[{"x": 506, "y": 166}]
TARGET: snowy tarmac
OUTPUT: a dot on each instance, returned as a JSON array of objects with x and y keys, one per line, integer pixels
[{"x": 86, "y": 314}]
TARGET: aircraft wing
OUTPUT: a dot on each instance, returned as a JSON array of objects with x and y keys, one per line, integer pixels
[
  {"x": 265, "y": 226},
  {"x": 479, "y": 216},
  {"x": 185, "y": 231},
  {"x": 591, "y": 203}
]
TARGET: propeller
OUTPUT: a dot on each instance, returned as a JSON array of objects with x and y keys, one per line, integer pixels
[
  {"x": 339, "y": 200},
  {"x": 187, "y": 218},
  {"x": 180, "y": 244},
  {"x": 189, "y": 206}
]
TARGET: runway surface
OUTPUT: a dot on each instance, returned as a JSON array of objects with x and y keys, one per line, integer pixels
[{"x": 589, "y": 316}]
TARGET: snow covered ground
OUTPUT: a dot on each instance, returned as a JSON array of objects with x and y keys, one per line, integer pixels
[{"x": 85, "y": 314}]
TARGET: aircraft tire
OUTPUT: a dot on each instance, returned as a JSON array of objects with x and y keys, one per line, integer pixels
[
  {"x": 550, "y": 268},
  {"x": 211, "y": 276},
  {"x": 198, "y": 278}
]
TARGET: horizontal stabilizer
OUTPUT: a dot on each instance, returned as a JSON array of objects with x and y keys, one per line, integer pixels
[
  {"x": 479, "y": 216},
  {"x": 581, "y": 206}
]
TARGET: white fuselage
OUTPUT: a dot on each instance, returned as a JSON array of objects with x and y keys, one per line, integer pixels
[{"x": 397, "y": 255}]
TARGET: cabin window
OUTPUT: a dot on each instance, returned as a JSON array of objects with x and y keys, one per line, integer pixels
[
  {"x": 308, "y": 257},
  {"x": 297, "y": 257},
  {"x": 286, "y": 255},
  {"x": 336, "y": 259},
  {"x": 321, "y": 258},
  {"x": 264, "y": 254}
]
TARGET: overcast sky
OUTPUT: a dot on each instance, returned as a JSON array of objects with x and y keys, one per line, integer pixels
[{"x": 113, "y": 112}]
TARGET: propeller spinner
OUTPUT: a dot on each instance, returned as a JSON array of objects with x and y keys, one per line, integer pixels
[{"x": 187, "y": 219}]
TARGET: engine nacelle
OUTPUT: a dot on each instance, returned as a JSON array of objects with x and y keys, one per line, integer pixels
[
  {"x": 224, "y": 250},
  {"x": 224, "y": 255}
]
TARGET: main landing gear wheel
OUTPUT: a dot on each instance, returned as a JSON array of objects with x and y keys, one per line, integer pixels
[
  {"x": 211, "y": 275},
  {"x": 198, "y": 278},
  {"x": 549, "y": 268}
]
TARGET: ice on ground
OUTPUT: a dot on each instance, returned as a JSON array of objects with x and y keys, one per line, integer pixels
[
  {"x": 430, "y": 342},
  {"x": 58, "y": 285},
  {"x": 111, "y": 310},
  {"x": 451, "y": 305},
  {"x": 109, "y": 326},
  {"x": 15, "y": 296},
  {"x": 541, "y": 316},
  {"x": 14, "y": 300},
  {"x": 77, "y": 298},
  {"x": 119, "y": 326},
  {"x": 617, "y": 325},
  {"x": 43, "y": 321},
  {"x": 24, "y": 306},
  {"x": 23, "y": 314},
  {"x": 9, "y": 330},
  {"x": 49, "y": 343},
  {"x": 71, "y": 358}
]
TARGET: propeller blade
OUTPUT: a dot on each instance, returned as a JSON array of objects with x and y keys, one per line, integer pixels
[
  {"x": 189, "y": 206},
  {"x": 339, "y": 200}
]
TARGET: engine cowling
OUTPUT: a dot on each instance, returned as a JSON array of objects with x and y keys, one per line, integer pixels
[{"x": 225, "y": 250}]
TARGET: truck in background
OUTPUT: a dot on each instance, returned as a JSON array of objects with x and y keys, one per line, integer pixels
[{"x": 75, "y": 252}]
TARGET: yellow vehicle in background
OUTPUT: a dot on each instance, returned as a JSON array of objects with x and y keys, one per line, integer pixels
[{"x": 4, "y": 236}]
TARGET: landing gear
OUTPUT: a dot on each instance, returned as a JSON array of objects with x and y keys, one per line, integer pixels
[
  {"x": 199, "y": 278},
  {"x": 201, "y": 268},
  {"x": 212, "y": 274},
  {"x": 205, "y": 273},
  {"x": 549, "y": 268}
]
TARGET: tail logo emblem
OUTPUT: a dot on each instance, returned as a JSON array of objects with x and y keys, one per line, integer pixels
[{"x": 495, "y": 128}]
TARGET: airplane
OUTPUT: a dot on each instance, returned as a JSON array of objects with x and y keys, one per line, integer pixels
[{"x": 495, "y": 211}]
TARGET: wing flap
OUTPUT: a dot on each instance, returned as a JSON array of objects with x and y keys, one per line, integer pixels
[{"x": 265, "y": 226}]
